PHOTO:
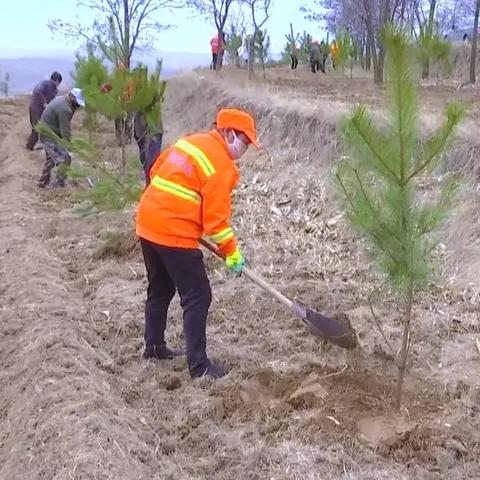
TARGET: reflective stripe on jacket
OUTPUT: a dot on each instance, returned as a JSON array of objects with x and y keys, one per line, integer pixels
[{"x": 189, "y": 195}]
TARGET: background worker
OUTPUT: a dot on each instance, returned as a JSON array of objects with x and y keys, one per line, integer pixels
[
  {"x": 215, "y": 48},
  {"x": 294, "y": 56},
  {"x": 189, "y": 196},
  {"x": 315, "y": 57},
  {"x": 43, "y": 93},
  {"x": 58, "y": 117}
]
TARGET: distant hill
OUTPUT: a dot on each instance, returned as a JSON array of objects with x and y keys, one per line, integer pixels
[{"x": 26, "y": 72}]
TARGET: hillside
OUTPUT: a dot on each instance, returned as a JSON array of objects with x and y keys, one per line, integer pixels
[{"x": 78, "y": 402}]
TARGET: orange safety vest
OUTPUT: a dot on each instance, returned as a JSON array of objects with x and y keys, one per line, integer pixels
[{"x": 189, "y": 195}]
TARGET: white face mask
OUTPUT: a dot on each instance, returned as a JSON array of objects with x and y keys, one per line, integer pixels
[{"x": 237, "y": 148}]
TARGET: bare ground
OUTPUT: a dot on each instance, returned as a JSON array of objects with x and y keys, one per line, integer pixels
[{"x": 77, "y": 401}]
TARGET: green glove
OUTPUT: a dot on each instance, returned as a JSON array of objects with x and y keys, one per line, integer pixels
[{"x": 235, "y": 261}]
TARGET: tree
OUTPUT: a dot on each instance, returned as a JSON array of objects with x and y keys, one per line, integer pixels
[
  {"x": 262, "y": 48},
  {"x": 107, "y": 190},
  {"x": 216, "y": 10},
  {"x": 380, "y": 181},
  {"x": 473, "y": 59},
  {"x": 233, "y": 44},
  {"x": 122, "y": 26},
  {"x": 431, "y": 47},
  {"x": 89, "y": 70},
  {"x": 128, "y": 92},
  {"x": 347, "y": 52},
  {"x": 364, "y": 20},
  {"x": 257, "y": 8},
  {"x": 305, "y": 44},
  {"x": 292, "y": 38}
]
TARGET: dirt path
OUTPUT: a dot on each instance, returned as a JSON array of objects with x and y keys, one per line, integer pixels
[{"x": 77, "y": 401}]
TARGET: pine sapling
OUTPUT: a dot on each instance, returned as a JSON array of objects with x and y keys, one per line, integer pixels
[
  {"x": 380, "y": 180},
  {"x": 107, "y": 190}
]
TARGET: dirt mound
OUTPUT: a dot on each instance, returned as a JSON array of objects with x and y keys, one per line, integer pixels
[{"x": 77, "y": 401}]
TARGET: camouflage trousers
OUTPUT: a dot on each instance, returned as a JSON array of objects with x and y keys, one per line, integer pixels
[{"x": 56, "y": 156}]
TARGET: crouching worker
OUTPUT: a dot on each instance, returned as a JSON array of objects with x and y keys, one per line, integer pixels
[
  {"x": 189, "y": 196},
  {"x": 58, "y": 117}
]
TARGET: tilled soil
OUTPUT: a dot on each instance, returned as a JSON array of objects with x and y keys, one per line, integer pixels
[{"x": 77, "y": 401}]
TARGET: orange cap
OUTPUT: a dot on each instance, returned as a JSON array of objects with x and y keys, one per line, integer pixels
[{"x": 240, "y": 121}]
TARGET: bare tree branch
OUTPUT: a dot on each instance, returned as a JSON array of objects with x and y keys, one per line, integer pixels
[{"x": 131, "y": 22}]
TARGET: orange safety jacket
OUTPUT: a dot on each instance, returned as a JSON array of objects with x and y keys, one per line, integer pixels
[{"x": 189, "y": 195}]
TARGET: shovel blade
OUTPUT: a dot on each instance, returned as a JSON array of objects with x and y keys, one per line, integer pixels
[{"x": 336, "y": 330}]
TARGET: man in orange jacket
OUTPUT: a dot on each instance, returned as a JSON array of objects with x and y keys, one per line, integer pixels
[{"x": 189, "y": 196}]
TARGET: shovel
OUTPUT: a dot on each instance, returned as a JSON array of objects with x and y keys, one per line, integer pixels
[{"x": 334, "y": 330}]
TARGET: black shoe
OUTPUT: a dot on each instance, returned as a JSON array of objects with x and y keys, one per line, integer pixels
[
  {"x": 212, "y": 371},
  {"x": 161, "y": 352},
  {"x": 58, "y": 183}
]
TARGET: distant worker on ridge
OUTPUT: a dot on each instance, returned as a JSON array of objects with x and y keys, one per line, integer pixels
[
  {"x": 58, "y": 117},
  {"x": 315, "y": 57},
  {"x": 43, "y": 93},
  {"x": 215, "y": 47},
  {"x": 294, "y": 56}
]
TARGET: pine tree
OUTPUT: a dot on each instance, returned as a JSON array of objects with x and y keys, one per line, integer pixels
[
  {"x": 113, "y": 186},
  {"x": 347, "y": 52},
  {"x": 380, "y": 181},
  {"x": 432, "y": 48},
  {"x": 108, "y": 191},
  {"x": 128, "y": 92},
  {"x": 262, "y": 48},
  {"x": 305, "y": 44},
  {"x": 292, "y": 39},
  {"x": 234, "y": 42},
  {"x": 90, "y": 73}
]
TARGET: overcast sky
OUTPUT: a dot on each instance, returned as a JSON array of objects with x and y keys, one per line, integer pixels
[{"x": 24, "y": 30}]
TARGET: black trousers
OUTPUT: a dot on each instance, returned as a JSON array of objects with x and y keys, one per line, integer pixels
[
  {"x": 35, "y": 112},
  {"x": 214, "y": 61},
  {"x": 170, "y": 269},
  {"x": 294, "y": 62},
  {"x": 315, "y": 65}
]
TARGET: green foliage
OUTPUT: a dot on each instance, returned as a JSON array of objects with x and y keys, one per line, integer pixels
[
  {"x": 262, "y": 45},
  {"x": 90, "y": 73},
  {"x": 108, "y": 192},
  {"x": 232, "y": 45},
  {"x": 381, "y": 173},
  {"x": 380, "y": 178},
  {"x": 305, "y": 44},
  {"x": 347, "y": 51},
  {"x": 432, "y": 47},
  {"x": 285, "y": 54},
  {"x": 112, "y": 47},
  {"x": 292, "y": 39},
  {"x": 129, "y": 91}
]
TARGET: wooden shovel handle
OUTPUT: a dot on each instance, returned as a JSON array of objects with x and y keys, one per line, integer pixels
[{"x": 257, "y": 279}]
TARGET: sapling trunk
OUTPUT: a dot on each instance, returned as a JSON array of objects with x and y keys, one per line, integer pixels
[
  {"x": 406, "y": 337},
  {"x": 379, "y": 178},
  {"x": 123, "y": 165}
]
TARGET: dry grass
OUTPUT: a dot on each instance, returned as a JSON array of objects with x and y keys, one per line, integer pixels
[{"x": 77, "y": 401}]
